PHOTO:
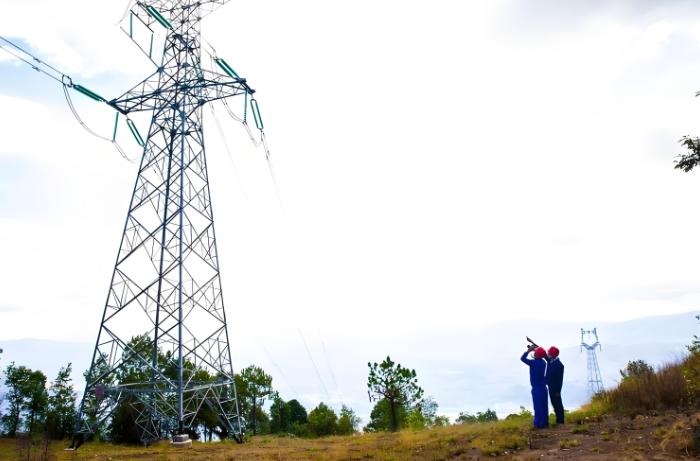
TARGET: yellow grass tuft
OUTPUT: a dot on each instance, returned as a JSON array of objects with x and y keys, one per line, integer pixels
[
  {"x": 566, "y": 444},
  {"x": 443, "y": 443}
]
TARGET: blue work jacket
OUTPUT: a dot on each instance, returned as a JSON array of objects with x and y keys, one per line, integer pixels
[{"x": 537, "y": 370}]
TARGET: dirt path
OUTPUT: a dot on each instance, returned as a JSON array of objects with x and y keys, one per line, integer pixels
[{"x": 626, "y": 439}]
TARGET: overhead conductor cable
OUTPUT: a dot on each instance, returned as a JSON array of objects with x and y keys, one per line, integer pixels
[
  {"x": 230, "y": 156},
  {"x": 66, "y": 83},
  {"x": 311, "y": 359}
]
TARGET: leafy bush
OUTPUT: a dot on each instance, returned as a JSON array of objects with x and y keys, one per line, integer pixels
[
  {"x": 380, "y": 417},
  {"x": 415, "y": 419},
  {"x": 466, "y": 418},
  {"x": 691, "y": 374},
  {"x": 322, "y": 420},
  {"x": 486, "y": 416},
  {"x": 481, "y": 416},
  {"x": 643, "y": 389},
  {"x": 636, "y": 369},
  {"x": 348, "y": 421}
]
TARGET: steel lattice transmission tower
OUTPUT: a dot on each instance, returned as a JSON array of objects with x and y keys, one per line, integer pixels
[
  {"x": 589, "y": 341},
  {"x": 166, "y": 287}
]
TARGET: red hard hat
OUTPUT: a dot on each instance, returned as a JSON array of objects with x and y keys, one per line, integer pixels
[
  {"x": 540, "y": 353},
  {"x": 553, "y": 352}
]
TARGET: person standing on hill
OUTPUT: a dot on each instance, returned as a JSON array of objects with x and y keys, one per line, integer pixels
[
  {"x": 538, "y": 381},
  {"x": 555, "y": 378}
]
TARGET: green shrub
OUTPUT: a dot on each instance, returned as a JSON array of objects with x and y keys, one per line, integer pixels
[
  {"x": 322, "y": 420},
  {"x": 643, "y": 390},
  {"x": 691, "y": 375},
  {"x": 581, "y": 429}
]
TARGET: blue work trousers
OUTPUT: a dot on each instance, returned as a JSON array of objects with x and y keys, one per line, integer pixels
[{"x": 539, "y": 402}]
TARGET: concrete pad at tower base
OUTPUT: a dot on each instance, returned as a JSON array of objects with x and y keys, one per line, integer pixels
[{"x": 181, "y": 441}]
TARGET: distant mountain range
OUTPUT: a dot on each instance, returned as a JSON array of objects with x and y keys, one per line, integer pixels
[{"x": 466, "y": 369}]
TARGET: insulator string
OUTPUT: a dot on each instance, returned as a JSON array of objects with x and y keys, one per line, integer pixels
[{"x": 89, "y": 130}]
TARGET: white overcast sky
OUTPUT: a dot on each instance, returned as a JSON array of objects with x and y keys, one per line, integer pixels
[{"x": 439, "y": 162}]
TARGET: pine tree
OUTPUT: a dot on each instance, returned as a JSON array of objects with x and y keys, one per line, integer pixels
[
  {"x": 36, "y": 400},
  {"x": 62, "y": 397},
  {"x": 15, "y": 377},
  {"x": 395, "y": 384},
  {"x": 254, "y": 386}
]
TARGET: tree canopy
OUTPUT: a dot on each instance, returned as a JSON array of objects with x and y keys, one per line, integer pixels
[
  {"x": 396, "y": 384},
  {"x": 60, "y": 419},
  {"x": 26, "y": 398},
  {"x": 254, "y": 386},
  {"x": 322, "y": 420},
  {"x": 636, "y": 369},
  {"x": 348, "y": 421},
  {"x": 691, "y": 159}
]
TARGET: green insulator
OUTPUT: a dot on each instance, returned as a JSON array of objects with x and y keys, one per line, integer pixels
[
  {"x": 88, "y": 93},
  {"x": 131, "y": 25},
  {"x": 116, "y": 123},
  {"x": 155, "y": 14},
  {"x": 256, "y": 114},
  {"x": 226, "y": 68},
  {"x": 135, "y": 131}
]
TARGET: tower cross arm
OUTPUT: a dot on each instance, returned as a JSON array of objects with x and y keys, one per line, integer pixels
[
  {"x": 217, "y": 86},
  {"x": 174, "y": 5},
  {"x": 205, "y": 7},
  {"x": 157, "y": 90}
]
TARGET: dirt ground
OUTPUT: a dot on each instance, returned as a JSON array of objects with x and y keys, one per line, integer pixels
[{"x": 641, "y": 438}]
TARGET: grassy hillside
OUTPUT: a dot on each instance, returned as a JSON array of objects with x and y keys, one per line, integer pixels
[
  {"x": 652, "y": 414},
  {"x": 589, "y": 435}
]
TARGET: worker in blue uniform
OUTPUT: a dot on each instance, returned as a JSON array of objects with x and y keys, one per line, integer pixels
[
  {"x": 538, "y": 381},
  {"x": 555, "y": 378}
]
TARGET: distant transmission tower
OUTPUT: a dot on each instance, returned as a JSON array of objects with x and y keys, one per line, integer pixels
[{"x": 589, "y": 341}]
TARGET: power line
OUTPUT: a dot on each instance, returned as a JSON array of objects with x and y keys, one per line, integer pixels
[
  {"x": 328, "y": 361},
  {"x": 256, "y": 143},
  {"x": 66, "y": 83},
  {"x": 34, "y": 62},
  {"x": 308, "y": 352},
  {"x": 279, "y": 369},
  {"x": 230, "y": 155}
]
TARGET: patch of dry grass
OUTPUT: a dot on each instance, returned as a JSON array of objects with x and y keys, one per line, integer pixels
[
  {"x": 680, "y": 437},
  {"x": 665, "y": 389},
  {"x": 445, "y": 443},
  {"x": 566, "y": 444}
]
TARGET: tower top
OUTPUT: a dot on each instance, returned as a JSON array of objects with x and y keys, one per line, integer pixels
[
  {"x": 172, "y": 6},
  {"x": 589, "y": 339}
]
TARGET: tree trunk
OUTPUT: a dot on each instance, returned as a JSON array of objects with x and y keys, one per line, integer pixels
[
  {"x": 255, "y": 414},
  {"x": 394, "y": 424},
  {"x": 14, "y": 424},
  {"x": 31, "y": 421}
]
